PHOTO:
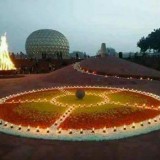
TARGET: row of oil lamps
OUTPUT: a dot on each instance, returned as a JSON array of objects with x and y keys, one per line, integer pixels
[
  {"x": 81, "y": 131},
  {"x": 77, "y": 67}
]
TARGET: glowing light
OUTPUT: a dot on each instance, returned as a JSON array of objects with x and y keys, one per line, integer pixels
[
  {"x": 5, "y": 61},
  {"x": 81, "y": 131}
]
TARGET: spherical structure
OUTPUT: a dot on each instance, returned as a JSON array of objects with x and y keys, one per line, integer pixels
[
  {"x": 80, "y": 94},
  {"x": 46, "y": 43}
]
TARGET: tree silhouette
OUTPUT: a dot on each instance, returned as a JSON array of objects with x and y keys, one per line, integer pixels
[
  {"x": 120, "y": 55},
  {"x": 152, "y": 41}
]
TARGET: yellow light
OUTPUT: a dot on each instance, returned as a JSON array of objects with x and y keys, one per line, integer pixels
[{"x": 5, "y": 61}]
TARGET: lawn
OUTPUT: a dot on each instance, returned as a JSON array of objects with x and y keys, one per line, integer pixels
[
  {"x": 87, "y": 100},
  {"x": 132, "y": 98}
]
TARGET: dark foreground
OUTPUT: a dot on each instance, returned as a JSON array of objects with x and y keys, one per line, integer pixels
[{"x": 144, "y": 147}]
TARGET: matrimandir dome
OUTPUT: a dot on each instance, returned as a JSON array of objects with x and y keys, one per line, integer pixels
[{"x": 46, "y": 43}]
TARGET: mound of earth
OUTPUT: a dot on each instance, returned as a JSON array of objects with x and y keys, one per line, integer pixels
[{"x": 115, "y": 66}]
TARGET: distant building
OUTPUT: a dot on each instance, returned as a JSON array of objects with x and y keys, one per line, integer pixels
[
  {"x": 106, "y": 51},
  {"x": 103, "y": 51}
]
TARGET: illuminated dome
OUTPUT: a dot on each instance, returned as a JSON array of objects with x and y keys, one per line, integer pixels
[{"x": 46, "y": 43}]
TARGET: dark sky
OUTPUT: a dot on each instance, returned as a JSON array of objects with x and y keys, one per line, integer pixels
[{"x": 85, "y": 23}]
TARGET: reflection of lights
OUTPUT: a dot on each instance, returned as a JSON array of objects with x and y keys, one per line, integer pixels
[
  {"x": 11, "y": 126},
  {"x": 37, "y": 130},
  {"x": 48, "y": 130}
]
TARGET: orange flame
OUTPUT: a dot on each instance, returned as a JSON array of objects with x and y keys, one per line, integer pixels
[{"x": 5, "y": 60}]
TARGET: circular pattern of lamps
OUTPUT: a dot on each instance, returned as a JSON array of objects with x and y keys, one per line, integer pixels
[{"x": 55, "y": 113}]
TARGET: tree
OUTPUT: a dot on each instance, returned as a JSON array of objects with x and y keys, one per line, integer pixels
[
  {"x": 152, "y": 41},
  {"x": 120, "y": 55},
  {"x": 143, "y": 44},
  {"x": 111, "y": 51}
]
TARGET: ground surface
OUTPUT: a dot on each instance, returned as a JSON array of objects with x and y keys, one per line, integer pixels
[{"x": 136, "y": 148}]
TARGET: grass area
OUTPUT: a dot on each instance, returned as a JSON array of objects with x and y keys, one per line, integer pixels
[
  {"x": 44, "y": 107},
  {"x": 43, "y": 95},
  {"x": 132, "y": 98},
  {"x": 104, "y": 109},
  {"x": 51, "y": 93},
  {"x": 95, "y": 110},
  {"x": 87, "y": 100}
]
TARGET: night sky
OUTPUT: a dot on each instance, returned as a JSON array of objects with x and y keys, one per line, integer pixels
[{"x": 85, "y": 23}]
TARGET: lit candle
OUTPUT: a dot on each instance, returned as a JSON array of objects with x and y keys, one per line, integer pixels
[
  {"x": 133, "y": 125},
  {"x": 59, "y": 131},
  {"x": 81, "y": 131},
  {"x": 104, "y": 130},
  {"x": 70, "y": 131},
  {"x": 115, "y": 129},
  {"x": 6, "y": 123},
  {"x": 93, "y": 130},
  {"x": 149, "y": 121},
  {"x": 28, "y": 129},
  {"x": 19, "y": 128}
]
